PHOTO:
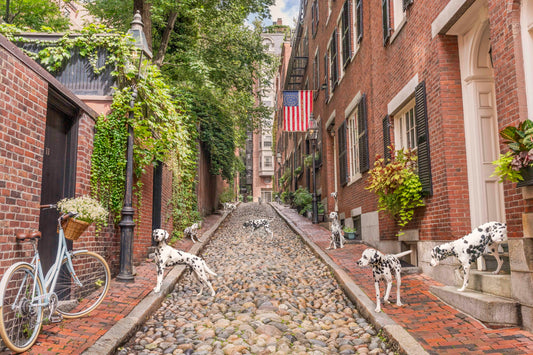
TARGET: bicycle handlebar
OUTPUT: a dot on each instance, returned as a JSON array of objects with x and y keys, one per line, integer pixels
[{"x": 48, "y": 206}]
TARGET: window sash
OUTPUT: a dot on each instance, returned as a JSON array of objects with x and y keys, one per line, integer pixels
[{"x": 353, "y": 137}]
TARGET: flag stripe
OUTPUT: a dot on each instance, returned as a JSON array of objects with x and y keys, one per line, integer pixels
[{"x": 297, "y": 108}]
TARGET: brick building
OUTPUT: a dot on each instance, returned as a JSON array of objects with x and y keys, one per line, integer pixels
[
  {"x": 442, "y": 78},
  {"x": 261, "y": 158}
]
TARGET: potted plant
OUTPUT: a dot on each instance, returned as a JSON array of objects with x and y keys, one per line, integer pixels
[
  {"x": 350, "y": 232},
  {"x": 298, "y": 170},
  {"x": 303, "y": 200},
  {"x": 397, "y": 185},
  {"x": 516, "y": 164},
  {"x": 308, "y": 160},
  {"x": 88, "y": 209}
]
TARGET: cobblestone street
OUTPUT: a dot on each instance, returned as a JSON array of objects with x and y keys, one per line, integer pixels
[{"x": 273, "y": 296}]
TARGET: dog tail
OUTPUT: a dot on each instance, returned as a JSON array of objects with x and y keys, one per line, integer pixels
[
  {"x": 209, "y": 270},
  {"x": 403, "y": 253}
]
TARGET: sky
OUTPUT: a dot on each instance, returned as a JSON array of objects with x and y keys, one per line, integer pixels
[{"x": 285, "y": 9}]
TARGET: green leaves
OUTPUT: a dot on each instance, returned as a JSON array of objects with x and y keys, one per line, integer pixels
[{"x": 397, "y": 185}]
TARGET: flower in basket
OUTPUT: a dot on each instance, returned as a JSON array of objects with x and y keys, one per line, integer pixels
[
  {"x": 511, "y": 165},
  {"x": 89, "y": 209}
]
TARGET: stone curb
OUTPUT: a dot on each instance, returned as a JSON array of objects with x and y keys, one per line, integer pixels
[
  {"x": 404, "y": 342},
  {"x": 127, "y": 326}
]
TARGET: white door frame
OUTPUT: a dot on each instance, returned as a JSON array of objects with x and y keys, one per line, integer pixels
[{"x": 486, "y": 196}]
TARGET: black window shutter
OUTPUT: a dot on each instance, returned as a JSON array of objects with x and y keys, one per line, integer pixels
[
  {"x": 343, "y": 171},
  {"x": 346, "y": 37},
  {"x": 334, "y": 60},
  {"x": 386, "y": 20},
  {"x": 386, "y": 138},
  {"x": 422, "y": 136},
  {"x": 326, "y": 76},
  {"x": 406, "y": 4},
  {"x": 364, "y": 164},
  {"x": 359, "y": 7}
]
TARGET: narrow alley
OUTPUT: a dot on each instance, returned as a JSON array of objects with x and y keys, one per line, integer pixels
[{"x": 273, "y": 295}]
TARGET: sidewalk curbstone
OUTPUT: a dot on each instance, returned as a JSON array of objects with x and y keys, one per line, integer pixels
[
  {"x": 405, "y": 342},
  {"x": 127, "y": 326}
]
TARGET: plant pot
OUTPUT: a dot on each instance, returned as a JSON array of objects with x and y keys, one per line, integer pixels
[
  {"x": 527, "y": 174},
  {"x": 350, "y": 235}
]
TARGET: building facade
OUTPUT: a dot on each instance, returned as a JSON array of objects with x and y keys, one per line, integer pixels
[
  {"x": 440, "y": 78},
  {"x": 262, "y": 156}
]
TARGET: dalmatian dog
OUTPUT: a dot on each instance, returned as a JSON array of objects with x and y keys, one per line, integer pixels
[
  {"x": 337, "y": 234},
  {"x": 192, "y": 232},
  {"x": 383, "y": 265},
  {"x": 484, "y": 239},
  {"x": 256, "y": 224},
  {"x": 165, "y": 256},
  {"x": 228, "y": 206}
]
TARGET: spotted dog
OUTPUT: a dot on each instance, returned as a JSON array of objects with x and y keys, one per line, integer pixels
[
  {"x": 484, "y": 239},
  {"x": 337, "y": 234},
  {"x": 192, "y": 232},
  {"x": 257, "y": 224},
  {"x": 383, "y": 265},
  {"x": 165, "y": 256},
  {"x": 228, "y": 206}
]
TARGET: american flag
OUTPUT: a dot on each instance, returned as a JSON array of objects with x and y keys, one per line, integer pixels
[{"x": 297, "y": 107}]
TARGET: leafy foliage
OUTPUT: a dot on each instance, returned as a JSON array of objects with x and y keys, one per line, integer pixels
[
  {"x": 519, "y": 140},
  {"x": 35, "y": 15},
  {"x": 397, "y": 185},
  {"x": 303, "y": 200}
]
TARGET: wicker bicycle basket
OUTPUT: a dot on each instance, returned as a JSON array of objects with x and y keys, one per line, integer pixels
[{"x": 74, "y": 228}]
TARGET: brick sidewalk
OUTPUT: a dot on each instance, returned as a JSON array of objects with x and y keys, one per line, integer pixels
[
  {"x": 73, "y": 336},
  {"x": 439, "y": 328}
]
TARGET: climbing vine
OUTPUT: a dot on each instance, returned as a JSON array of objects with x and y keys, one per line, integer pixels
[{"x": 163, "y": 128}]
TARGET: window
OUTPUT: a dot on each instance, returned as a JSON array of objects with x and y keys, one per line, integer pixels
[
  {"x": 267, "y": 141},
  {"x": 268, "y": 162},
  {"x": 326, "y": 75},
  {"x": 405, "y": 127},
  {"x": 314, "y": 18},
  {"x": 353, "y": 149},
  {"x": 334, "y": 71},
  {"x": 345, "y": 33}
]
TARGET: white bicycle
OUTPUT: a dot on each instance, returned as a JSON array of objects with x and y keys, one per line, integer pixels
[{"x": 76, "y": 284}]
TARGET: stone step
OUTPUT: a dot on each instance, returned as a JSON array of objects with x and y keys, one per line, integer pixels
[
  {"x": 489, "y": 309},
  {"x": 486, "y": 282}
]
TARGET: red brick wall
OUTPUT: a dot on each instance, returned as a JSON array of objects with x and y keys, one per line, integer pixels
[{"x": 23, "y": 98}]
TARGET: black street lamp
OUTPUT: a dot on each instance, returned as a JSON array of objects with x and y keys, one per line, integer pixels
[
  {"x": 127, "y": 223},
  {"x": 313, "y": 136}
]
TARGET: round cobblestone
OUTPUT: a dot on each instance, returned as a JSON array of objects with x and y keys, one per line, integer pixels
[{"x": 273, "y": 295}]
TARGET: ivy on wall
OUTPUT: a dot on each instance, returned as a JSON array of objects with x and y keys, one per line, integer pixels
[{"x": 162, "y": 121}]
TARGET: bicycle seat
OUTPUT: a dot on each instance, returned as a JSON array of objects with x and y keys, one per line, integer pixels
[{"x": 31, "y": 236}]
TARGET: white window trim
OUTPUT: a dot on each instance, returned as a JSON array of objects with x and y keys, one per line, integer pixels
[
  {"x": 349, "y": 112},
  {"x": 397, "y": 30},
  {"x": 402, "y": 96}
]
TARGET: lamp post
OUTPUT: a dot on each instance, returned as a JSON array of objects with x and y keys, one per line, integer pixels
[
  {"x": 127, "y": 223},
  {"x": 313, "y": 136}
]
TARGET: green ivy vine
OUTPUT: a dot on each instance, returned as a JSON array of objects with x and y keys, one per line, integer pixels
[{"x": 162, "y": 121}]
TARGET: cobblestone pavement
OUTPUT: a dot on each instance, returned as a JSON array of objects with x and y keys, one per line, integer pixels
[{"x": 273, "y": 296}]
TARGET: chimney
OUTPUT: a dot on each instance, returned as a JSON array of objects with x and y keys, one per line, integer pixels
[{"x": 279, "y": 22}]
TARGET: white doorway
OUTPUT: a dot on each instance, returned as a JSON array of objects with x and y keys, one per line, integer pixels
[{"x": 480, "y": 117}]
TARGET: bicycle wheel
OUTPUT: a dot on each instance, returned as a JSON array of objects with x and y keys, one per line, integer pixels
[
  {"x": 20, "y": 319},
  {"x": 92, "y": 271}
]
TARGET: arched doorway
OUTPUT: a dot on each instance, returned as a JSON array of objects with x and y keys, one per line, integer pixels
[{"x": 481, "y": 123}]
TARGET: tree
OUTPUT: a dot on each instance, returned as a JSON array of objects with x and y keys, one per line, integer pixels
[
  {"x": 34, "y": 14},
  {"x": 204, "y": 48}
]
